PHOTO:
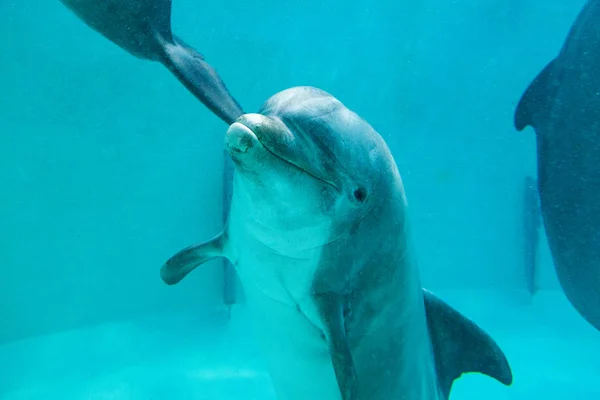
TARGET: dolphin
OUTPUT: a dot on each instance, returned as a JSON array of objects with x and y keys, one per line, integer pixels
[
  {"x": 562, "y": 104},
  {"x": 143, "y": 28},
  {"x": 318, "y": 234}
]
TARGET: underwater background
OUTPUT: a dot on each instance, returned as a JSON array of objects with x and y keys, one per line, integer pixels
[{"x": 108, "y": 166}]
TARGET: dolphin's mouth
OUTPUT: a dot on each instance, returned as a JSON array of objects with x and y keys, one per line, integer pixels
[{"x": 241, "y": 136}]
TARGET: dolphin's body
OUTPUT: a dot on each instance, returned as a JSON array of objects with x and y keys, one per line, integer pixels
[
  {"x": 562, "y": 104},
  {"x": 318, "y": 235},
  {"x": 143, "y": 28}
]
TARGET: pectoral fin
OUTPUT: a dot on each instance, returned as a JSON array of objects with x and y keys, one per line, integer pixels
[
  {"x": 331, "y": 308},
  {"x": 184, "y": 262},
  {"x": 460, "y": 346}
]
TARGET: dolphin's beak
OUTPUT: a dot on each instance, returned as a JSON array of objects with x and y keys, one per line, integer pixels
[
  {"x": 239, "y": 139},
  {"x": 277, "y": 138},
  {"x": 271, "y": 132}
]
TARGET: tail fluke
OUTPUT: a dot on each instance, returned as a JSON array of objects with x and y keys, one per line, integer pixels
[{"x": 201, "y": 79}]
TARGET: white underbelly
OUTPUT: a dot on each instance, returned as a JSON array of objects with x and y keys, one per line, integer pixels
[
  {"x": 294, "y": 350},
  {"x": 277, "y": 290}
]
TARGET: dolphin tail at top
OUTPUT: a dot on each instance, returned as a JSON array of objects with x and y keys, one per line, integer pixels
[
  {"x": 460, "y": 346},
  {"x": 186, "y": 260},
  {"x": 201, "y": 79}
]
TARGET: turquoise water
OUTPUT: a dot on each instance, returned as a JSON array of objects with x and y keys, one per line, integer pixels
[
  {"x": 108, "y": 166},
  {"x": 205, "y": 355}
]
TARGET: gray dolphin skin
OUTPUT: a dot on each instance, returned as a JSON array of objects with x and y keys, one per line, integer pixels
[
  {"x": 562, "y": 104},
  {"x": 319, "y": 236},
  {"x": 143, "y": 28}
]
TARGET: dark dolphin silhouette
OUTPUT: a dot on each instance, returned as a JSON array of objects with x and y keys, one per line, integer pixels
[
  {"x": 143, "y": 28},
  {"x": 562, "y": 104}
]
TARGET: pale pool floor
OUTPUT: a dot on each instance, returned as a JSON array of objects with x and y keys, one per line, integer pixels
[{"x": 553, "y": 354}]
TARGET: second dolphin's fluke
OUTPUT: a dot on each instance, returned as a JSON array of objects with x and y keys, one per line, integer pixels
[{"x": 143, "y": 28}]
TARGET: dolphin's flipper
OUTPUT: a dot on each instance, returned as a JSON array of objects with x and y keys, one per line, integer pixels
[
  {"x": 331, "y": 308},
  {"x": 184, "y": 262},
  {"x": 201, "y": 80},
  {"x": 460, "y": 346},
  {"x": 536, "y": 98},
  {"x": 161, "y": 18},
  {"x": 179, "y": 41}
]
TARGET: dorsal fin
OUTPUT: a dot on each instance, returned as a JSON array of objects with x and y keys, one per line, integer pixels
[
  {"x": 537, "y": 98},
  {"x": 460, "y": 346},
  {"x": 186, "y": 260}
]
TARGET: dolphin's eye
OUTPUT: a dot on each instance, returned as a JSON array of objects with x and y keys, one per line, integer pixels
[{"x": 360, "y": 194}]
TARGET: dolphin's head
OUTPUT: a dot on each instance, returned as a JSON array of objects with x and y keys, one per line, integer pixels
[{"x": 306, "y": 161}]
